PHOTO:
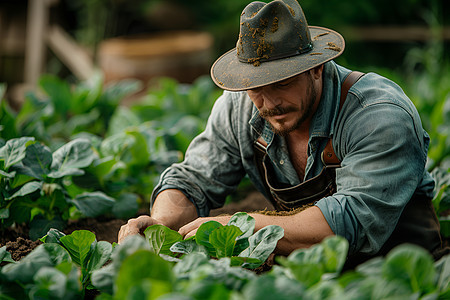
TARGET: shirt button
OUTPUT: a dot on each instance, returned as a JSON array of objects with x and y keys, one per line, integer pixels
[{"x": 281, "y": 162}]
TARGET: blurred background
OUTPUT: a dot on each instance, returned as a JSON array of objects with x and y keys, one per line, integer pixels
[{"x": 131, "y": 77}]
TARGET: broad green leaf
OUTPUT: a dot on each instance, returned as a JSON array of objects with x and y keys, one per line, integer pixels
[
  {"x": 51, "y": 283},
  {"x": 208, "y": 290},
  {"x": 326, "y": 290},
  {"x": 161, "y": 238},
  {"x": 70, "y": 158},
  {"x": 271, "y": 287},
  {"x": 39, "y": 226},
  {"x": 188, "y": 246},
  {"x": 126, "y": 206},
  {"x": 130, "y": 245},
  {"x": 190, "y": 262},
  {"x": 37, "y": 161},
  {"x": 14, "y": 151},
  {"x": 245, "y": 261},
  {"x": 123, "y": 118},
  {"x": 411, "y": 266},
  {"x": 443, "y": 271},
  {"x": 78, "y": 244},
  {"x": 241, "y": 245},
  {"x": 93, "y": 204},
  {"x": 223, "y": 240},
  {"x": 103, "y": 279},
  {"x": 59, "y": 93},
  {"x": 245, "y": 222},
  {"x": 263, "y": 242},
  {"x": 53, "y": 236},
  {"x": 27, "y": 189},
  {"x": 328, "y": 257},
  {"x": 101, "y": 253},
  {"x": 144, "y": 267},
  {"x": 5, "y": 256},
  {"x": 203, "y": 233},
  {"x": 335, "y": 251}
]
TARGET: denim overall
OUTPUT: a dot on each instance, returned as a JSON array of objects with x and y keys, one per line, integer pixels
[{"x": 418, "y": 223}]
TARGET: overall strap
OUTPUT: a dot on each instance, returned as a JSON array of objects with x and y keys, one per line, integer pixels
[{"x": 328, "y": 155}]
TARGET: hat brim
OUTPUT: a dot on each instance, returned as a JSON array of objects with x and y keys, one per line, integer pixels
[{"x": 231, "y": 74}]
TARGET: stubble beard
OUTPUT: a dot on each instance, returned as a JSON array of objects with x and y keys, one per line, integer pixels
[{"x": 282, "y": 130}]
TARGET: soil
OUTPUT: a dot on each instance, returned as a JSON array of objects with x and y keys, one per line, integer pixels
[{"x": 106, "y": 229}]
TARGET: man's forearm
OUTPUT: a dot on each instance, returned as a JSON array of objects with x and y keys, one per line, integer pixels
[
  {"x": 173, "y": 209},
  {"x": 301, "y": 230}
]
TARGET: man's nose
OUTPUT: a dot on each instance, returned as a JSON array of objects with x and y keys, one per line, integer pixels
[{"x": 271, "y": 100}]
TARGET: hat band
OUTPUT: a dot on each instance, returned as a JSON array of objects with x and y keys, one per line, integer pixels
[{"x": 306, "y": 49}]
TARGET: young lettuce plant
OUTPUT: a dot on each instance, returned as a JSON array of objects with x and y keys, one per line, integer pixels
[
  {"x": 34, "y": 184},
  {"x": 235, "y": 240}
]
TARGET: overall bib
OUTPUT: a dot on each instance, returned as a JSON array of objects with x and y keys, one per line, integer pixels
[{"x": 418, "y": 224}]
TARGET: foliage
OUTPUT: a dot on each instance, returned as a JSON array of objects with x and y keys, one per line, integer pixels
[
  {"x": 67, "y": 265},
  {"x": 35, "y": 181},
  {"x": 234, "y": 240}
]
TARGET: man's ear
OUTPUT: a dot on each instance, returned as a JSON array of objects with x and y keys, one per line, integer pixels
[{"x": 316, "y": 73}]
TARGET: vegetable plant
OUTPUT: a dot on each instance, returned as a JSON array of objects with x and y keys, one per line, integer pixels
[
  {"x": 68, "y": 266},
  {"x": 35, "y": 185}
]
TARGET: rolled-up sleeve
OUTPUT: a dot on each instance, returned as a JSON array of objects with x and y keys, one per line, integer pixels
[
  {"x": 384, "y": 161},
  {"x": 212, "y": 167}
]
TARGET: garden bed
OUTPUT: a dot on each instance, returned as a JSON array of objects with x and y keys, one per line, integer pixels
[{"x": 19, "y": 245}]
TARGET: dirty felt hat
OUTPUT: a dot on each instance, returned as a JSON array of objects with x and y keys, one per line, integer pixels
[{"x": 275, "y": 43}]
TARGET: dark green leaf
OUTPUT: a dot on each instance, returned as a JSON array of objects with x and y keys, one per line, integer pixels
[
  {"x": 59, "y": 93},
  {"x": 190, "y": 262},
  {"x": 78, "y": 244},
  {"x": 99, "y": 256},
  {"x": 39, "y": 226},
  {"x": 126, "y": 206},
  {"x": 411, "y": 266},
  {"x": 223, "y": 240},
  {"x": 37, "y": 161},
  {"x": 93, "y": 204},
  {"x": 202, "y": 236},
  {"x": 241, "y": 245},
  {"x": 271, "y": 287},
  {"x": 161, "y": 238},
  {"x": 144, "y": 266},
  {"x": 443, "y": 271},
  {"x": 70, "y": 158},
  {"x": 53, "y": 236}
]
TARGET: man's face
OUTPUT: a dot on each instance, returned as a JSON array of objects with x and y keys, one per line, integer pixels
[{"x": 286, "y": 104}]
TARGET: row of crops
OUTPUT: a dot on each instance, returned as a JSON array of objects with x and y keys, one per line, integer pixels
[
  {"x": 72, "y": 151},
  {"x": 217, "y": 263}
]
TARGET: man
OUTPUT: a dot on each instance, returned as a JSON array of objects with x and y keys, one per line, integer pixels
[{"x": 343, "y": 156}]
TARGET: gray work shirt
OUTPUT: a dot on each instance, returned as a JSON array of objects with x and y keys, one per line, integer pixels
[{"x": 378, "y": 137}]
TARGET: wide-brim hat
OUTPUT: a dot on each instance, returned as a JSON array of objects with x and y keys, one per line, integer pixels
[{"x": 275, "y": 43}]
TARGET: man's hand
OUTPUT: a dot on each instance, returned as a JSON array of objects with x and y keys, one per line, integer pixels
[
  {"x": 136, "y": 226},
  {"x": 190, "y": 229}
]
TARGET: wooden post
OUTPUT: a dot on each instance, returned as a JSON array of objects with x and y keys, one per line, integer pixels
[{"x": 35, "y": 43}]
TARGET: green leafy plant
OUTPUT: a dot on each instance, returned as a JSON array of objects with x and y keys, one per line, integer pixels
[
  {"x": 441, "y": 200},
  {"x": 34, "y": 182},
  {"x": 235, "y": 240},
  {"x": 66, "y": 266}
]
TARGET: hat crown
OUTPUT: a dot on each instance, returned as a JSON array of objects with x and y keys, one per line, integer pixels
[{"x": 272, "y": 31}]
